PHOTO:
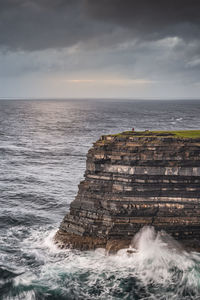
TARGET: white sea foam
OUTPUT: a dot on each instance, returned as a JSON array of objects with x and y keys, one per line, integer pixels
[
  {"x": 49, "y": 242},
  {"x": 29, "y": 295},
  {"x": 158, "y": 260}
]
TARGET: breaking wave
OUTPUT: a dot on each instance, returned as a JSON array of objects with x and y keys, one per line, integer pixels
[{"x": 158, "y": 268}]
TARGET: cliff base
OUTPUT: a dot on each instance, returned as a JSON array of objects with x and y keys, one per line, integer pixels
[{"x": 72, "y": 241}]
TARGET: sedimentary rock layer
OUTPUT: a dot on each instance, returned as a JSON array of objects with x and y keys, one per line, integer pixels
[{"x": 135, "y": 179}]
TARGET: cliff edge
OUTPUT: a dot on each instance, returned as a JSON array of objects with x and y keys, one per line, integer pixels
[{"x": 134, "y": 179}]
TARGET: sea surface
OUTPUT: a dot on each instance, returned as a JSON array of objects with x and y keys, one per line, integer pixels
[{"x": 43, "y": 146}]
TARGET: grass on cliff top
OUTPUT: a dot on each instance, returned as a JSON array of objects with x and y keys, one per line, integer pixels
[{"x": 191, "y": 134}]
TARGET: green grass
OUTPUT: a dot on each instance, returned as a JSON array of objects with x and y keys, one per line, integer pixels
[
  {"x": 192, "y": 134},
  {"x": 188, "y": 134}
]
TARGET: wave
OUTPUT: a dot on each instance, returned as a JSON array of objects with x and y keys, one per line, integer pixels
[{"x": 154, "y": 267}]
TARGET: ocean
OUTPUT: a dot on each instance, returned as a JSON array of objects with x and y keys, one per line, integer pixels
[{"x": 43, "y": 147}]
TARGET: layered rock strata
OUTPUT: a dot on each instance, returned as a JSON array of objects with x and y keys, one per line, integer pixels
[{"x": 135, "y": 179}]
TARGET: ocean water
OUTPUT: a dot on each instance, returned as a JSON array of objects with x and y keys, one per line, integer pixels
[{"x": 43, "y": 146}]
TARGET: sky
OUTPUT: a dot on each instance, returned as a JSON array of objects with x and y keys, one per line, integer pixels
[{"x": 100, "y": 49}]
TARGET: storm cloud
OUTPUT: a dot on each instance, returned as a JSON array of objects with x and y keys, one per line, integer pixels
[
  {"x": 151, "y": 17},
  {"x": 108, "y": 46},
  {"x": 42, "y": 24}
]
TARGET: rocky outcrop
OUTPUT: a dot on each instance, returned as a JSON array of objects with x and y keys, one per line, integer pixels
[{"x": 135, "y": 179}]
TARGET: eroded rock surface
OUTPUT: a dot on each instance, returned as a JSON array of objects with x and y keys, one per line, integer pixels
[{"x": 135, "y": 179}]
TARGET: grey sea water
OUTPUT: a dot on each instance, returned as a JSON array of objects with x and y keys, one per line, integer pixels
[{"x": 43, "y": 146}]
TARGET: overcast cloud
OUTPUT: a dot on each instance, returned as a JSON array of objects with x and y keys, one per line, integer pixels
[{"x": 91, "y": 48}]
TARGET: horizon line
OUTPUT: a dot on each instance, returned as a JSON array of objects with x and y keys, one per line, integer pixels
[{"x": 98, "y": 98}]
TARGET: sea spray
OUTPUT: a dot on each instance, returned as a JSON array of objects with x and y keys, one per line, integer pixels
[
  {"x": 157, "y": 269},
  {"x": 158, "y": 256}
]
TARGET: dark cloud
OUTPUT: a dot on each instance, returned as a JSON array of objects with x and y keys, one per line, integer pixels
[
  {"x": 154, "y": 18},
  {"x": 156, "y": 41},
  {"x": 147, "y": 11},
  {"x": 42, "y": 24}
]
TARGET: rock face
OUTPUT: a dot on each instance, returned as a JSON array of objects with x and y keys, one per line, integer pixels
[{"x": 135, "y": 179}]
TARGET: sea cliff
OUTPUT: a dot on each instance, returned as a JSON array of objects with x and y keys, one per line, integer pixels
[{"x": 132, "y": 180}]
